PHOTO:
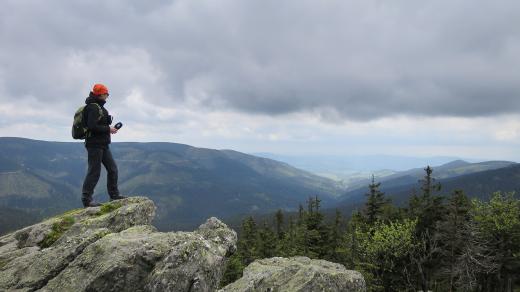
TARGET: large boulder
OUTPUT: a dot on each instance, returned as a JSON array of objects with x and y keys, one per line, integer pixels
[
  {"x": 296, "y": 274},
  {"x": 114, "y": 248}
]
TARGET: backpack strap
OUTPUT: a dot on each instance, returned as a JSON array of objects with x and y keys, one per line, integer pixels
[
  {"x": 88, "y": 134},
  {"x": 99, "y": 109}
]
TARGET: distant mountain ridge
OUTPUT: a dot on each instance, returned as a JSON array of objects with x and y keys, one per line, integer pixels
[
  {"x": 476, "y": 184},
  {"x": 357, "y": 162},
  {"x": 448, "y": 170},
  {"x": 353, "y": 171},
  {"x": 187, "y": 183},
  {"x": 40, "y": 179}
]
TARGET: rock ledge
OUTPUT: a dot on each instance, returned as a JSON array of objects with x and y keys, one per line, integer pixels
[
  {"x": 296, "y": 274},
  {"x": 114, "y": 248}
]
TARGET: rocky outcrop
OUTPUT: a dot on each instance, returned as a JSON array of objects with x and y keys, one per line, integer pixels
[
  {"x": 296, "y": 274},
  {"x": 114, "y": 248}
]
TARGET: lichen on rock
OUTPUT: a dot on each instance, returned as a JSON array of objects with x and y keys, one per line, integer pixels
[
  {"x": 296, "y": 274},
  {"x": 114, "y": 248}
]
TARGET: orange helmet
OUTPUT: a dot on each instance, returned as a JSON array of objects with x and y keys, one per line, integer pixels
[{"x": 99, "y": 89}]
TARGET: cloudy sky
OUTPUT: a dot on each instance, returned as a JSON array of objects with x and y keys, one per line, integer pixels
[{"x": 417, "y": 78}]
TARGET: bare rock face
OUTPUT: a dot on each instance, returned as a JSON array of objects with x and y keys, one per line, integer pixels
[
  {"x": 296, "y": 274},
  {"x": 114, "y": 248}
]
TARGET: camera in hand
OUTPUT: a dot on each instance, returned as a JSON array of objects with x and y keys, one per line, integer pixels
[{"x": 118, "y": 125}]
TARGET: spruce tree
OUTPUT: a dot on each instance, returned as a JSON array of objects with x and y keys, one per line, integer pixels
[
  {"x": 301, "y": 214},
  {"x": 288, "y": 245},
  {"x": 333, "y": 247},
  {"x": 234, "y": 269},
  {"x": 267, "y": 242},
  {"x": 248, "y": 242},
  {"x": 428, "y": 208},
  {"x": 279, "y": 224},
  {"x": 454, "y": 234},
  {"x": 375, "y": 203}
]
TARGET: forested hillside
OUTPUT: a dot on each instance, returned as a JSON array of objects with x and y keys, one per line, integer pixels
[{"x": 433, "y": 243}]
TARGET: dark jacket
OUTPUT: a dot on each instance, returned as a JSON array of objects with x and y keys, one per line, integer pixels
[{"x": 99, "y": 131}]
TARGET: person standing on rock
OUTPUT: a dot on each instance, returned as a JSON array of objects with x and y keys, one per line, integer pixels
[{"x": 98, "y": 122}]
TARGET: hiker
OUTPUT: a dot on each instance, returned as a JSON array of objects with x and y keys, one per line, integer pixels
[{"x": 98, "y": 122}]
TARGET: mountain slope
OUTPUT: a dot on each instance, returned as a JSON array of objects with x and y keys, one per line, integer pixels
[
  {"x": 187, "y": 183},
  {"x": 12, "y": 219},
  {"x": 451, "y": 169},
  {"x": 476, "y": 185}
]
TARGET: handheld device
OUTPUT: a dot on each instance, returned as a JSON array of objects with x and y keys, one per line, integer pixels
[{"x": 118, "y": 125}]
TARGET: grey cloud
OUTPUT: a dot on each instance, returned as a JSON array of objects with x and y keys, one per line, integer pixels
[{"x": 361, "y": 59}]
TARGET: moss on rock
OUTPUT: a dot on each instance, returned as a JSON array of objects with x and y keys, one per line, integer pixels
[
  {"x": 57, "y": 230},
  {"x": 3, "y": 263},
  {"x": 108, "y": 207},
  {"x": 72, "y": 212}
]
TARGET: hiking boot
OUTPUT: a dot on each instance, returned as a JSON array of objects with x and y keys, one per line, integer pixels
[{"x": 118, "y": 197}]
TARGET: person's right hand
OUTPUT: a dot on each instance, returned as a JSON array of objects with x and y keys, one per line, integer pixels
[{"x": 113, "y": 130}]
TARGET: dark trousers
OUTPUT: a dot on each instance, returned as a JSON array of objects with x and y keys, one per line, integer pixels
[{"x": 96, "y": 156}]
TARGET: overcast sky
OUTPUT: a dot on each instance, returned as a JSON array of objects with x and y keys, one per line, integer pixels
[{"x": 416, "y": 78}]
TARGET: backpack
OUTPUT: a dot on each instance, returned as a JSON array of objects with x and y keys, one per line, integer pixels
[{"x": 79, "y": 126}]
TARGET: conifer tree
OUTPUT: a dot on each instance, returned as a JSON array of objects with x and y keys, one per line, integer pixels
[
  {"x": 428, "y": 208},
  {"x": 279, "y": 224},
  {"x": 234, "y": 269},
  {"x": 454, "y": 234},
  {"x": 356, "y": 223},
  {"x": 375, "y": 203},
  {"x": 460, "y": 245},
  {"x": 316, "y": 231},
  {"x": 301, "y": 214},
  {"x": 288, "y": 244},
  {"x": 334, "y": 251},
  {"x": 248, "y": 243},
  {"x": 267, "y": 242},
  {"x": 247, "y": 252}
]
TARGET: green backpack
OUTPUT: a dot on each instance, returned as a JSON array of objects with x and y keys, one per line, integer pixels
[{"x": 79, "y": 126}]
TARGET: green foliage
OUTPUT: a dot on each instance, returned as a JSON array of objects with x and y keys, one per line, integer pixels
[
  {"x": 248, "y": 243},
  {"x": 456, "y": 235},
  {"x": 428, "y": 206},
  {"x": 267, "y": 242},
  {"x": 376, "y": 201},
  {"x": 498, "y": 222},
  {"x": 71, "y": 212},
  {"x": 57, "y": 230},
  {"x": 384, "y": 253},
  {"x": 287, "y": 246},
  {"x": 108, "y": 207},
  {"x": 388, "y": 241},
  {"x": 234, "y": 268},
  {"x": 336, "y": 250},
  {"x": 429, "y": 209},
  {"x": 499, "y": 216},
  {"x": 279, "y": 224},
  {"x": 437, "y": 244}
]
